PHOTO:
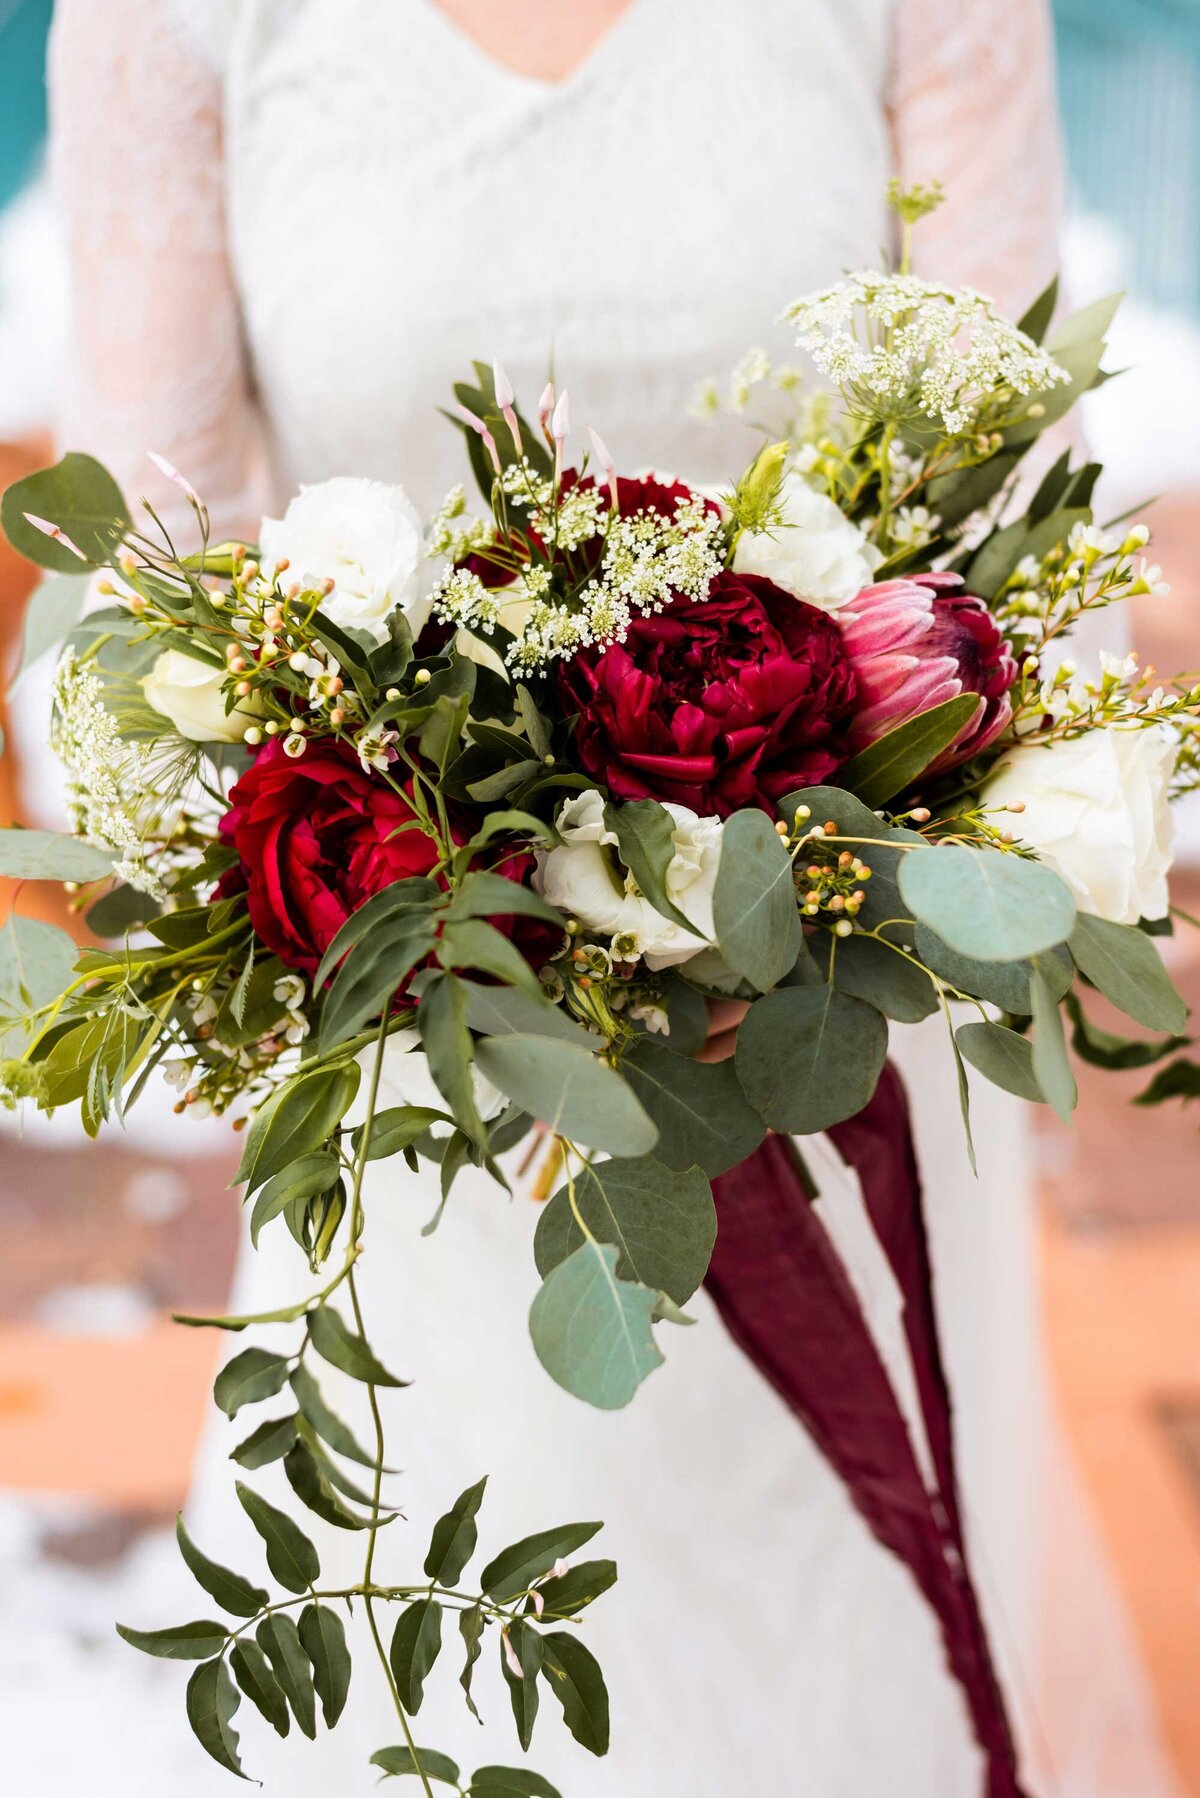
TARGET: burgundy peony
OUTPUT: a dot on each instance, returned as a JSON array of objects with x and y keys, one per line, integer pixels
[
  {"x": 917, "y": 642},
  {"x": 718, "y": 706},
  {"x": 316, "y": 837}
]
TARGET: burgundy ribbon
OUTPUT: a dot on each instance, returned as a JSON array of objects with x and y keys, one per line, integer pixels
[{"x": 784, "y": 1295}]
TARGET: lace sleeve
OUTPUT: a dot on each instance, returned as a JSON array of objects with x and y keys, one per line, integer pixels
[
  {"x": 973, "y": 105},
  {"x": 156, "y": 340}
]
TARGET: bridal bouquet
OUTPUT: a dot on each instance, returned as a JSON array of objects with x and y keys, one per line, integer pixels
[{"x": 495, "y": 806}]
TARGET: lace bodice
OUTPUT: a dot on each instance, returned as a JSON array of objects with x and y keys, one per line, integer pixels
[{"x": 313, "y": 213}]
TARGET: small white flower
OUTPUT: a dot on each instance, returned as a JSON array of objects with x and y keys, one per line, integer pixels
[
  {"x": 375, "y": 750},
  {"x": 814, "y": 552},
  {"x": 178, "y": 1073},
  {"x": 290, "y": 991},
  {"x": 654, "y": 1017},
  {"x": 365, "y": 536}
]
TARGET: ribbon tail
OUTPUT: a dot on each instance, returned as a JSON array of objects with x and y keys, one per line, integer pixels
[{"x": 786, "y": 1298}]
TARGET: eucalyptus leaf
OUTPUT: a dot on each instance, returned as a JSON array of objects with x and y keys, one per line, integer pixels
[
  {"x": 79, "y": 496},
  {"x": 1003, "y": 1057},
  {"x": 662, "y": 1222},
  {"x": 809, "y": 1057},
  {"x": 448, "y": 1048},
  {"x": 505, "y": 1011},
  {"x": 755, "y": 915},
  {"x": 1005, "y": 984},
  {"x": 1049, "y": 1061},
  {"x": 36, "y": 964},
  {"x": 591, "y": 1331},
  {"x": 866, "y": 968},
  {"x": 269, "y": 1442},
  {"x": 1124, "y": 963},
  {"x": 702, "y": 1115},
  {"x": 987, "y": 904},
  {"x": 51, "y": 855},
  {"x": 569, "y": 1090},
  {"x": 51, "y": 612}
]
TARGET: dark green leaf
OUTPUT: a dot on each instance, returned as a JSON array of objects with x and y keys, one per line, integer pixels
[
  {"x": 252, "y": 1670},
  {"x": 473, "y": 944},
  {"x": 1002, "y": 1057},
  {"x": 447, "y": 1044},
  {"x": 428, "y": 1761},
  {"x": 662, "y": 1222},
  {"x": 1123, "y": 962},
  {"x": 573, "y": 1675},
  {"x": 569, "y": 1090},
  {"x": 1105, "y": 1050},
  {"x": 702, "y": 1116},
  {"x": 280, "y": 1641},
  {"x": 1036, "y": 322},
  {"x": 324, "y": 1641},
  {"x": 373, "y": 970},
  {"x": 299, "y": 1181},
  {"x": 393, "y": 904},
  {"x": 338, "y": 1345},
  {"x": 120, "y": 911},
  {"x": 298, "y": 1119},
  {"x": 892, "y": 763},
  {"x": 1179, "y": 1081},
  {"x": 454, "y": 1537},
  {"x": 510, "y": 1782},
  {"x": 503, "y": 1011},
  {"x": 183, "y": 1642},
  {"x": 470, "y": 1627},
  {"x": 1005, "y": 984},
  {"x": 326, "y": 1422},
  {"x": 754, "y": 901},
  {"x": 993, "y": 906},
  {"x": 416, "y": 1643},
  {"x": 269, "y": 1442},
  {"x": 526, "y": 1647},
  {"x": 484, "y": 894},
  {"x": 809, "y": 1057},
  {"x": 516, "y": 1568},
  {"x": 866, "y": 968},
  {"x": 311, "y": 1487},
  {"x": 395, "y": 1129},
  {"x": 253, "y": 1375},
  {"x": 230, "y": 1590},
  {"x": 290, "y": 1555},
  {"x": 212, "y": 1699},
  {"x": 645, "y": 832},
  {"x": 78, "y": 495},
  {"x": 572, "y": 1592}
]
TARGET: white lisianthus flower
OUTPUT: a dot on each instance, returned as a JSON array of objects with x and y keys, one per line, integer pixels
[
  {"x": 189, "y": 693},
  {"x": 365, "y": 536},
  {"x": 1097, "y": 812},
  {"x": 814, "y": 552},
  {"x": 580, "y": 880}
]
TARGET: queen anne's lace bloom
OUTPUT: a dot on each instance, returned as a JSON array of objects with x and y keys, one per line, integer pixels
[{"x": 904, "y": 345}]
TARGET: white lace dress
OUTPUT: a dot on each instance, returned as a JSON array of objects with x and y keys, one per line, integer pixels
[{"x": 293, "y": 223}]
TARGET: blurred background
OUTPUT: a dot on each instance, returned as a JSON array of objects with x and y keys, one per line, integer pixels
[{"x": 101, "y": 1397}]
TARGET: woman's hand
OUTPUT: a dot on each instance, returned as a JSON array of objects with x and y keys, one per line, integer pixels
[{"x": 724, "y": 1016}]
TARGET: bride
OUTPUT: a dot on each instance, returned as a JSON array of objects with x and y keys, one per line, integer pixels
[{"x": 292, "y": 223}]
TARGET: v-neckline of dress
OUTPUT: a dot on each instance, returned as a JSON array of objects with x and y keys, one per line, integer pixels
[{"x": 586, "y": 65}]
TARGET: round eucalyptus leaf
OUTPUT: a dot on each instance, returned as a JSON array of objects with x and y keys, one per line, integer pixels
[
  {"x": 591, "y": 1331},
  {"x": 809, "y": 1057},
  {"x": 990, "y": 905}
]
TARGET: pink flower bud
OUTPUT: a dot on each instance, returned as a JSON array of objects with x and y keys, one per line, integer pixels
[
  {"x": 485, "y": 436},
  {"x": 560, "y": 423},
  {"x": 505, "y": 399},
  {"x": 173, "y": 474},
  {"x": 510, "y": 1655},
  {"x": 52, "y": 530},
  {"x": 600, "y": 451},
  {"x": 539, "y": 1602},
  {"x": 546, "y": 407}
]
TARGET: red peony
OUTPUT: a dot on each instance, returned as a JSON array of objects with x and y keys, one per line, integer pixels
[
  {"x": 315, "y": 837},
  {"x": 721, "y": 705},
  {"x": 915, "y": 643}
]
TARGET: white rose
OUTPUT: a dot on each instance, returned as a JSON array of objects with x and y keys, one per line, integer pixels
[
  {"x": 815, "y": 552},
  {"x": 581, "y": 880},
  {"x": 405, "y": 1080},
  {"x": 188, "y": 692},
  {"x": 365, "y": 536},
  {"x": 1097, "y": 812}
]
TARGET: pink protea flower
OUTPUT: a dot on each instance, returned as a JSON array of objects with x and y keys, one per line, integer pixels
[{"x": 916, "y": 642}]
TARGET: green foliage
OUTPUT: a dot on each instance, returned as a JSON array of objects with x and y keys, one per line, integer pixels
[
  {"x": 230, "y": 1590},
  {"x": 526, "y": 1645},
  {"x": 754, "y": 901},
  {"x": 645, "y": 832},
  {"x": 1124, "y": 964},
  {"x": 516, "y": 1568},
  {"x": 1006, "y": 984},
  {"x": 290, "y": 1555},
  {"x": 1049, "y": 1062},
  {"x": 455, "y": 1536},
  {"x": 986, "y": 904},
  {"x": 569, "y": 1593},
  {"x": 889, "y": 765},
  {"x": 323, "y": 1638},
  {"x": 279, "y": 1639},
  {"x": 36, "y": 961},
  {"x": 808, "y": 1057},
  {"x": 1181, "y": 1080},
  {"x": 591, "y": 1331},
  {"x": 82, "y": 499},
  {"x": 253, "y": 1375},
  {"x": 416, "y": 1644},
  {"x": 701, "y": 1114},
  {"x": 51, "y": 855},
  {"x": 866, "y": 968},
  {"x": 570, "y": 1090},
  {"x": 573, "y": 1675},
  {"x": 662, "y": 1223},
  {"x": 427, "y": 1761},
  {"x": 51, "y": 611},
  {"x": 297, "y": 1120},
  {"x": 252, "y": 1670},
  {"x": 1001, "y": 1056},
  {"x": 336, "y": 1343},
  {"x": 212, "y": 1699},
  {"x": 183, "y": 1642}
]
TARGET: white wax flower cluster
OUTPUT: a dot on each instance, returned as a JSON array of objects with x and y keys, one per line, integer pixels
[{"x": 580, "y": 879}]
